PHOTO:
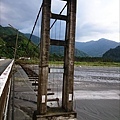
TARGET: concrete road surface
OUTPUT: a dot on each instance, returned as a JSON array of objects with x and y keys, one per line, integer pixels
[{"x": 4, "y": 64}]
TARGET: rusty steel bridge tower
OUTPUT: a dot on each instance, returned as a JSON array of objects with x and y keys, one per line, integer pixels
[{"x": 69, "y": 46}]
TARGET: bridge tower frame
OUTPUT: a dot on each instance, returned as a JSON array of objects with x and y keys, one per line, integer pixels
[{"x": 69, "y": 48}]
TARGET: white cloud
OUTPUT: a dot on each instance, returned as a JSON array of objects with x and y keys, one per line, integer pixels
[
  {"x": 57, "y": 6},
  {"x": 21, "y": 14},
  {"x": 95, "y": 18}
]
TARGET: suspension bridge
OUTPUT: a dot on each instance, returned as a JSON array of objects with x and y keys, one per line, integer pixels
[{"x": 47, "y": 73}]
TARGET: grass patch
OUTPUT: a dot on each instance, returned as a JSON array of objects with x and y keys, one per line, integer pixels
[
  {"x": 99, "y": 63},
  {"x": 56, "y": 63},
  {"x": 109, "y": 64}
]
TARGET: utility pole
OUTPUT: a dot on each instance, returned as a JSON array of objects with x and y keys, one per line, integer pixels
[
  {"x": 13, "y": 84},
  {"x": 16, "y": 41}
]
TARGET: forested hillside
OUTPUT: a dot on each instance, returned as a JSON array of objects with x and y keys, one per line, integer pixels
[
  {"x": 96, "y": 48},
  {"x": 58, "y": 50},
  {"x": 7, "y": 44},
  {"x": 113, "y": 54}
]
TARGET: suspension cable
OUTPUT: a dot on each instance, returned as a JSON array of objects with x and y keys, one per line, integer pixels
[
  {"x": 34, "y": 26},
  {"x": 55, "y": 20},
  {"x": 59, "y": 14}
]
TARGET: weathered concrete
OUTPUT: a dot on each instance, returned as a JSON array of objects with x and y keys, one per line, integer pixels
[
  {"x": 44, "y": 54},
  {"x": 69, "y": 45},
  {"x": 68, "y": 76}
]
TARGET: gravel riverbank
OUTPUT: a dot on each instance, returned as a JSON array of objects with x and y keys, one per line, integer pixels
[{"x": 96, "y": 96}]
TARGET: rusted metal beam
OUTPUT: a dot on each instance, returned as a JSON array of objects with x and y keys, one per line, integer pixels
[
  {"x": 58, "y": 17},
  {"x": 48, "y": 89},
  {"x": 53, "y": 114},
  {"x": 57, "y": 42},
  {"x": 50, "y": 93},
  {"x": 34, "y": 84},
  {"x": 33, "y": 77},
  {"x": 50, "y": 100}
]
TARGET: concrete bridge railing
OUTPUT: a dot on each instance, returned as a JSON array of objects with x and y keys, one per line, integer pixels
[{"x": 5, "y": 85}]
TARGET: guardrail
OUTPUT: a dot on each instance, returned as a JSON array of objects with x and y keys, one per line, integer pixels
[
  {"x": 1, "y": 59},
  {"x": 5, "y": 85}
]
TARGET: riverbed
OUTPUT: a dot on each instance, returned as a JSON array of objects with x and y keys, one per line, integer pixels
[{"x": 96, "y": 92}]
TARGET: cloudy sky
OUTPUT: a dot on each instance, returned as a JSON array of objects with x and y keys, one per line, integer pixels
[{"x": 95, "y": 18}]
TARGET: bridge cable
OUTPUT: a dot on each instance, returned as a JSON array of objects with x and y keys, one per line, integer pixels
[
  {"x": 59, "y": 14},
  {"x": 34, "y": 26},
  {"x": 55, "y": 20}
]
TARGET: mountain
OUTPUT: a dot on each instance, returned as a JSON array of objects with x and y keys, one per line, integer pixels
[
  {"x": 59, "y": 50},
  {"x": 113, "y": 54},
  {"x": 7, "y": 44},
  {"x": 34, "y": 39},
  {"x": 6, "y": 31},
  {"x": 96, "y": 48}
]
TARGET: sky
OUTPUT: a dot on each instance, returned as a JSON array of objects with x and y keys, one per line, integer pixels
[{"x": 95, "y": 19}]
